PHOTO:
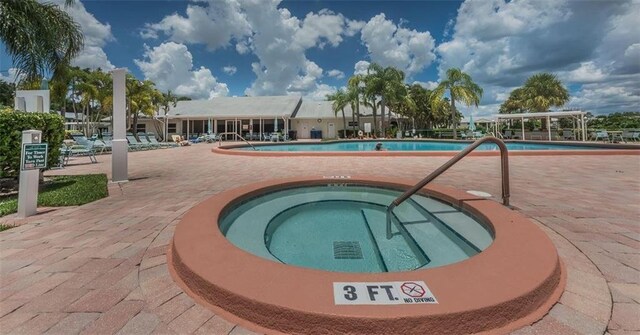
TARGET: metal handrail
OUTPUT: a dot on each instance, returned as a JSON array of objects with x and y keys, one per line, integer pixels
[
  {"x": 237, "y": 136},
  {"x": 504, "y": 167}
]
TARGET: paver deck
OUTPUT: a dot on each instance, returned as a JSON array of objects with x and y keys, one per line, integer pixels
[{"x": 101, "y": 268}]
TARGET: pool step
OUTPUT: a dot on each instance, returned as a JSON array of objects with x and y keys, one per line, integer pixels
[
  {"x": 477, "y": 236},
  {"x": 397, "y": 253}
]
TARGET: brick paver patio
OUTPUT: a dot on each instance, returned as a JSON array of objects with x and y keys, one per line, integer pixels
[{"x": 101, "y": 268}]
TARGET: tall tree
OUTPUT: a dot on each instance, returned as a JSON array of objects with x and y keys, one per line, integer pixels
[
  {"x": 7, "y": 91},
  {"x": 461, "y": 88},
  {"x": 355, "y": 91},
  {"x": 542, "y": 91},
  {"x": 39, "y": 37},
  {"x": 386, "y": 83},
  {"x": 515, "y": 102},
  {"x": 340, "y": 101}
]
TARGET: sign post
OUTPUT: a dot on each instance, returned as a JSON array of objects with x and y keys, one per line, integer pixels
[{"x": 33, "y": 158}]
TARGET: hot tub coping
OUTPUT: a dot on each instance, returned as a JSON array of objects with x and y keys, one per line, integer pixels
[{"x": 512, "y": 283}]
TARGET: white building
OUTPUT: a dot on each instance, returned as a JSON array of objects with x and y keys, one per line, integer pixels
[
  {"x": 32, "y": 101},
  {"x": 254, "y": 116}
]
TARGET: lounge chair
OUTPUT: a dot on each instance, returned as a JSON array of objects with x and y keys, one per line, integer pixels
[
  {"x": 82, "y": 142},
  {"x": 142, "y": 137},
  {"x": 154, "y": 140},
  {"x": 77, "y": 149},
  {"x": 178, "y": 139},
  {"x": 134, "y": 144}
]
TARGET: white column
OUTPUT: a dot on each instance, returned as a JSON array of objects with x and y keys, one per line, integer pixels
[
  {"x": 522, "y": 124},
  {"x": 188, "y": 125},
  {"x": 549, "y": 126},
  {"x": 119, "y": 147},
  {"x": 215, "y": 126},
  {"x": 584, "y": 128},
  {"x": 29, "y": 179}
]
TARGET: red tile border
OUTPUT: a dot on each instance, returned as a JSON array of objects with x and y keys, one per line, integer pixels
[{"x": 511, "y": 284}]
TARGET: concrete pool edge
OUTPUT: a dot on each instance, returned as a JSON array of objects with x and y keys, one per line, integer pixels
[
  {"x": 262, "y": 304},
  {"x": 604, "y": 149}
]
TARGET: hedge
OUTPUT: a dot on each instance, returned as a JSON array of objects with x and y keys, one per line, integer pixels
[{"x": 11, "y": 126}]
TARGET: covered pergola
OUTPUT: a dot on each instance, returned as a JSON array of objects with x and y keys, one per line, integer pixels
[{"x": 576, "y": 115}]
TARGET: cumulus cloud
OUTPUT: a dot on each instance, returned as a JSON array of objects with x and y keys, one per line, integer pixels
[
  {"x": 500, "y": 44},
  {"x": 96, "y": 36},
  {"x": 277, "y": 38},
  {"x": 361, "y": 67},
  {"x": 391, "y": 45},
  {"x": 170, "y": 66},
  {"x": 230, "y": 70},
  {"x": 214, "y": 25},
  {"x": 12, "y": 76},
  {"x": 430, "y": 85},
  {"x": 335, "y": 74}
]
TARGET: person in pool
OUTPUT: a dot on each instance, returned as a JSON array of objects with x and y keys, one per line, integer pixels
[{"x": 379, "y": 147}]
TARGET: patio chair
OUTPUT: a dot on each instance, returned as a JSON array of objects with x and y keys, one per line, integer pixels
[
  {"x": 134, "y": 144},
  {"x": 631, "y": 135},
  {"x": 508, "y": 134},
  {"x": 82, "y": 141},
  {"x": 568, "y": 135},
  {"x": 79, "y": 150},
  {"x": 601, "y": 135},
  {"x": 142, "y": 137},
  {"x": 154, "y": 140}
]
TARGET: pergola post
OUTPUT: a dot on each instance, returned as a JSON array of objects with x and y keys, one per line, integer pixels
[
  {"x": 549, "y": 126},
  {"x": 120, "y": 147},
  {"x": 584, "y": 129},
  {"x": 522, "y": 124}
]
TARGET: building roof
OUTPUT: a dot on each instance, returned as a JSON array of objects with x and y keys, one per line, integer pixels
[
  {"x": 539, "y": 115},
  {"x": 311, "y": 109},
  {"x": 241, "y": 107}
]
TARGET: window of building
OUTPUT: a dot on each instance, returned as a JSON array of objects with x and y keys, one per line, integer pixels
[
  {"x": 141, "y": 128},
  {"x": 172, "y": 128}
]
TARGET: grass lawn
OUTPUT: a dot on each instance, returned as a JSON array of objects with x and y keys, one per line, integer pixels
[{"x": 63, "y": 191}]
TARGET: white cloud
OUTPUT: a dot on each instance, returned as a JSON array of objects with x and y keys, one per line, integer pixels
[
  {"x": 430, "y": 85},
  {"x": 170, "y": 66},
  {"x": 96, "y": 36},
  {"x": 361, "y": 67},
  {"x": 335, "y": 74},
  {"x": 500, "y": 44},
  {"x": 391, "y": 45},
  {"x": 12, "y": 76},
  {"x": 278, "y": 39},
  {"x": 214, "y": 25},
  {"x": 230, "y": 70}
]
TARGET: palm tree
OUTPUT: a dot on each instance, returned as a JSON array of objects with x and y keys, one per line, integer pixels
[
  {"x": 542, "y": 91},
  {"x": 388, "y": 84},
  {"x": 355, "y": 91},
  {"x": 340, "y": 101},
  {"x": 515, "y": 102},
  {"x": 39, "y": 37},
  {"x": 461, "y": 88}
]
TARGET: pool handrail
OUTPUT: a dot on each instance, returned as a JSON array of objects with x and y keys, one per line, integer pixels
[
  {"x": 237, "y": 136},
  {"x": 504, "y": 168}
]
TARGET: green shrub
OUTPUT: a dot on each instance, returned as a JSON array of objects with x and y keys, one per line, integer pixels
[{"x": 11, "y": 126}]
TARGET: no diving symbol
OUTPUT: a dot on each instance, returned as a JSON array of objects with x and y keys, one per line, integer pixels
[{"x": 412, "y": 289}]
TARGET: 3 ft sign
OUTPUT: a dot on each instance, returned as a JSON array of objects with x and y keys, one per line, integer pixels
[{"x": 383, "y": 293}]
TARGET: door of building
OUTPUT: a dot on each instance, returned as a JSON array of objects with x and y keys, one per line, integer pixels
[{"x": 331, "y": 133}]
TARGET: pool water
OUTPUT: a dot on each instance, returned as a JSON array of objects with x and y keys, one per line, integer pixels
[
  {"x": 409, "y": 146},
  {"x": 342, "y": 227}
]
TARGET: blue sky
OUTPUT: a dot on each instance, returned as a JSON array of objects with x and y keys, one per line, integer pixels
[{"x": 207, "y": 49}]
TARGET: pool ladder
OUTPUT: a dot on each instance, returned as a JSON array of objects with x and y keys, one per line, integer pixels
[
  {"x": 236, "y": 135},
  {"x": 504, "y": 167}
]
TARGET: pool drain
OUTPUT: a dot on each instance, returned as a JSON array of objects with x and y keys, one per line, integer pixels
[{"x": 347, "y": 250}]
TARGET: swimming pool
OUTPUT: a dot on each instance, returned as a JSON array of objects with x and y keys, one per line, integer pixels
[
  {"x": 414, "y": 145},
  {"x": 342, "y": 227}
]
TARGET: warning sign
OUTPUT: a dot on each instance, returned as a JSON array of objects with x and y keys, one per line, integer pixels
[
  {"x": 383, "y": 293},
  {"x": 412, "y": 289}
]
